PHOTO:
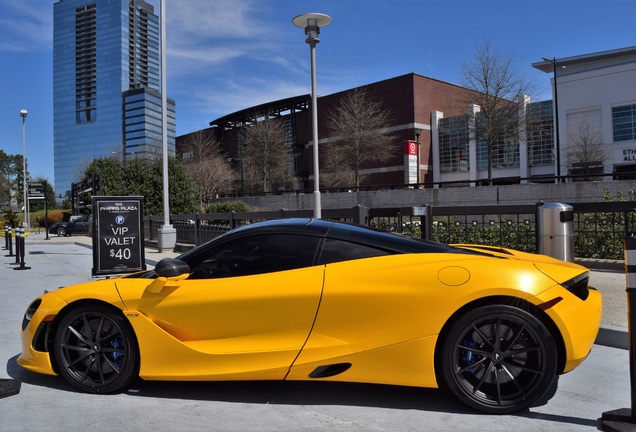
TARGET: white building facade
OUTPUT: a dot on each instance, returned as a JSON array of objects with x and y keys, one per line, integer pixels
[
  {"x": 595, "y": 96},
  {"x": 597, "y": 103}
]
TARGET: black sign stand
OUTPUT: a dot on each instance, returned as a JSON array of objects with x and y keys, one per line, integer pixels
[{"x": 118, "y": 235}]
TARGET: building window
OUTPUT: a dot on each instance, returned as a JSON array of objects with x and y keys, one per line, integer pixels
[
  {"x": 85, "y": 69},
  {"x": 504, "y": 148},
  {"x": 453, "y": 144},
  {"x": 624, "y": 121},
  {"x": 540, "y": 133},
  {"x": 624, "y": 172},
  {"x": 586, "y": 172}
]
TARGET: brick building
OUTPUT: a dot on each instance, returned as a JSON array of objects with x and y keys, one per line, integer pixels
[
  {"x": 595, "y": 125},
  {"x": 411, "y": 99}
]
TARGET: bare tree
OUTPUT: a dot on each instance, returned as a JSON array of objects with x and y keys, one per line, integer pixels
[
  {"x": 208, "y": 166},
  {"x": 497, "y": 88},
  {"x": 586, "y": 153},
  {"x": 335, "y": 171},
  {"x": 358, "y": 127},
  {"x": 266, "y": 156},
  {"x": 200, "y": 145}
]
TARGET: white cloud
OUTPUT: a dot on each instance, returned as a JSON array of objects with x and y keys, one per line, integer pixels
[
  {"x": 25, "y": 27},
  {"x": 230, "y": 96},
  {"x": 204, "y": 19},
  {"x": 217, "y": 36}
]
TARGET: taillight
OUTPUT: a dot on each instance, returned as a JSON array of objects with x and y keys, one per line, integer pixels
[{"x": 578, "y": 285}]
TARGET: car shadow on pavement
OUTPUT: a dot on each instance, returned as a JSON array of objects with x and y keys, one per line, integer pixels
[
  {"x": 304, "y": 393},
  {"x": 19, "y": 374},
  {"x": 297, "y": 393},
  {"x": 39, "y": 252},
  {"x": 271, "y": 392}
]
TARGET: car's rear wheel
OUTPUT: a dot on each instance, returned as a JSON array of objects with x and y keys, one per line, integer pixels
[
  {"x": 96, "y": 349},
  {"x": 498, "y": 359},
  {"x": 61, "y": 231}
]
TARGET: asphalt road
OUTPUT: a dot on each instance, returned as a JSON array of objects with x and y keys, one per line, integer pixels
[{"x": 46, "y": 403}]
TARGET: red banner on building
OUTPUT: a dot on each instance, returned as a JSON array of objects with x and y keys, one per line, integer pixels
[{"x": 410, "y": 148}]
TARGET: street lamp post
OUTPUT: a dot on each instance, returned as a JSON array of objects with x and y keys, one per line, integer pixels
[
  {"x": 312, "y": 22},
  {"x": 418, "y": 132},
  {"x": 556, "y": 118},
  {"x": 23, "y": 114},
  {"x": 166, "y": 235}
]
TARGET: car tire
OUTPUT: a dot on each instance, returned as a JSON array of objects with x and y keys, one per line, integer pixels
[
  {"x": 96, "y": 350},
  {"x": 61, "y": 232},
  {"x": 498, "y": 359}
]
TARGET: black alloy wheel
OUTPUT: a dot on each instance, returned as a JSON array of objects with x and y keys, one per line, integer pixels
[
  {"x": 498, "y": 359},
  {"x": 96, "y": 350}
]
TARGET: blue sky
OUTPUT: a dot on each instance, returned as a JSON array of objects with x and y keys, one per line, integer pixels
[{"x": 226, "y": 55}]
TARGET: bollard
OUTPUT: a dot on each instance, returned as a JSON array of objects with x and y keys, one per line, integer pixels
[
  {"x": 20, "y": 250},
  {"x": 624, "y": 419},
  {"x": 10, "y": 243},
  {"x": 6, "y": 238},
  {"x": 17, "y": 246}
]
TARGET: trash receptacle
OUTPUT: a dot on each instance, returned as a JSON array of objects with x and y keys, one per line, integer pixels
[{"x": 555, "y": 231}]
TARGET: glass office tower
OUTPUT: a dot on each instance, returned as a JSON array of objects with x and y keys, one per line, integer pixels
[{"x": 106, "y": 84}]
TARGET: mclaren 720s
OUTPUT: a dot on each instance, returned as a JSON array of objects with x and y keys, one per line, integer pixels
[{"x": 310, "y": 299}]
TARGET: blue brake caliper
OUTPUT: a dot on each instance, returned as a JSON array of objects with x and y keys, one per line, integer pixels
[
  {"x": 469, "y": 356},
  {"x": 117, "y": 357}
]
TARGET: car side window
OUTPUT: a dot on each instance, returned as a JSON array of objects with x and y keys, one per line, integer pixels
[
  {"x": 340, "y": 250},
  {"x": 257, "y": 254}
]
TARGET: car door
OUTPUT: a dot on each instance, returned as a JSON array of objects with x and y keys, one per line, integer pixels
[
  {"x": 78, "y": 225},
  {"x": 249, "y": 304}
]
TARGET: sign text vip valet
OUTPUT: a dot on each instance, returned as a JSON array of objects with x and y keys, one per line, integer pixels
[{"x": 118, "y": 235}]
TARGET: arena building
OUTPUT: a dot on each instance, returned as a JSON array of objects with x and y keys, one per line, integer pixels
[{"x": 593, "y": 137}]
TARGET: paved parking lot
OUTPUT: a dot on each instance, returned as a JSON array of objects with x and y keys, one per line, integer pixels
[{"x": 46, "y": 403}]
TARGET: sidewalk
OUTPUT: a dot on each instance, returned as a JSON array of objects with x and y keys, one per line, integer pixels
[
  {"x": 152, "y": 255},
  {"x": 608, "y": 278}
]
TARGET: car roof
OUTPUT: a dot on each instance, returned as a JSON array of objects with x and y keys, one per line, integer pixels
[
  {"x": 291, "y": 225},
  {"x": 336, "y": 230}
]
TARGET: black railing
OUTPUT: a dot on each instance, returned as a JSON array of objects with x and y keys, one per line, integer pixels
[
  {"x": 497, "y": 181},
  {"x": 599, "y": 228},
  {"x": 512, "y": 226},
  {"x": 195, "y": 229}
]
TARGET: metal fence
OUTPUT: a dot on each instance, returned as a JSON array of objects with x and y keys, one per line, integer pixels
[
  {"x": 195, "y": 229},
  {"x": 599, "y": 227},
  {"x": 496, "y": 225}
]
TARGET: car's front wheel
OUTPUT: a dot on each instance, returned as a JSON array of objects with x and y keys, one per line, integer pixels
[
  {"x": 61, "y": 231},
  {"x": 96, "y": 349},
  {"x": 498, "y": 359}
]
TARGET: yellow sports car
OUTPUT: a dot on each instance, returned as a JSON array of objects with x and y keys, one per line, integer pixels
[{"x": 307, "y": 299}]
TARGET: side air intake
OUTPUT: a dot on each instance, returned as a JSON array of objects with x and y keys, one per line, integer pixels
[{"x": 329, "y": 370}]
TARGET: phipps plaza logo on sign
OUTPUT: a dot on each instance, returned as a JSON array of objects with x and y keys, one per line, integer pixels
[{"x": 119, "y": 206}]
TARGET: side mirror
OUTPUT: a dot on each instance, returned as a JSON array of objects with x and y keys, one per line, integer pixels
[
  {"x": 168, "y": 270},
  {"x": 170, "y": 267}
]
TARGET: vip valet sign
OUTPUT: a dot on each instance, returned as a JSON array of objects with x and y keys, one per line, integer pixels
[{"x": 118, "y": 236}]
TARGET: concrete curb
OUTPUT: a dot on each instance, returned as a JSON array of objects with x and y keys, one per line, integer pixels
[
  {"x": 601, "y": 264},
  {"x": 613, "y": 337}
]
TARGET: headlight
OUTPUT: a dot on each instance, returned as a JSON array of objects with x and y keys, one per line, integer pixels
[{"x": 28, "y": 315}]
